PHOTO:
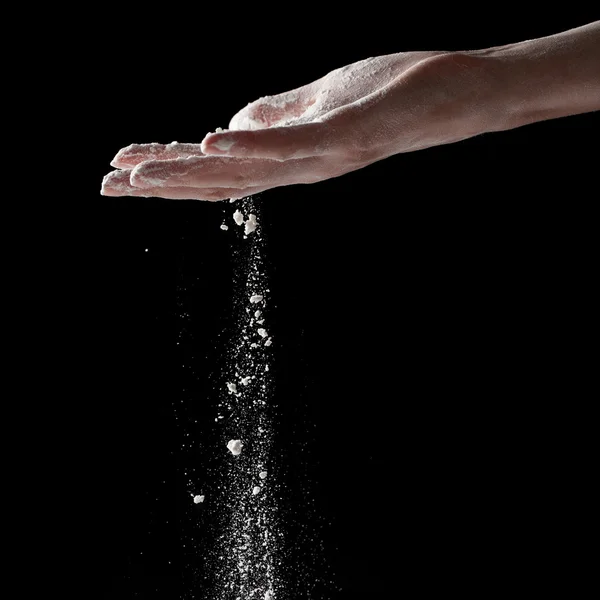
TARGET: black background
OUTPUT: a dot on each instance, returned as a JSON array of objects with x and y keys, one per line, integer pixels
[{"x": 430, "y": 312}]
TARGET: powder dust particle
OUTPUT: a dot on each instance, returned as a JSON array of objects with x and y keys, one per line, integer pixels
[
  {"x": 198, "y": 499},
  {"x": 268, "y": 343},
  {"x": 232, "y": 387},
  {"x": 269, "y": 595},
  {"x": 238, "y": 217},
  {"x": 257, "y": 314},
  {"x": 262, "y": 332},
  {"x": 256, "y": 490},
  {"x": 263, "y": 474},
  {"x": 245, "y": 380},
  {"x": 255, "y": 298},
  {"x": 224, "y": 227},
  {"x": 235, "y": 447}
]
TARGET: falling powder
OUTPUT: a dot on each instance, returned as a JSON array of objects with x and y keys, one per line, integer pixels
[
  {"x": 235, "y": 447},
  {"x": 248, "y": 561},
  {"x": 198, "y": 499},
  {"x": 224, "y": 227}
]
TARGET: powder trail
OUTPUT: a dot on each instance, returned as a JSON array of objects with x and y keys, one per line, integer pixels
[{"x": 249, "y": 547}]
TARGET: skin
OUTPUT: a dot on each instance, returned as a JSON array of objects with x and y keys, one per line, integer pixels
[{"x": 368, "y": 111}]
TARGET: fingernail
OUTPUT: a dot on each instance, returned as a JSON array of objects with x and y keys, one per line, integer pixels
[
  {"x": 119, "y": 158},
  {"x": 221, "y": 145},
  {"x": 115, "y": 183},
  {"x": 147, "y": 175}
]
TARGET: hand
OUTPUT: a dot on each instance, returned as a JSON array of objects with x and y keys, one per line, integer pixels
[{"x": 346, "y": 120}]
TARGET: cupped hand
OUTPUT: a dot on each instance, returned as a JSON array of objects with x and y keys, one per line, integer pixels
[{"x": 348, "y": 119}]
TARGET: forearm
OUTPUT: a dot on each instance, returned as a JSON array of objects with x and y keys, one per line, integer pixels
[{"x": 545, "y": 78}]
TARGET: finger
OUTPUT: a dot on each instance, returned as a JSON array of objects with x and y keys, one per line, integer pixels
[
  {"x": 134, "y": 154},
  {"x": 276, "y": 143},
  {"x": 117, "y": 183},
  {"x": 225, "y": 171},
  {"x": 270, "y": 110}
]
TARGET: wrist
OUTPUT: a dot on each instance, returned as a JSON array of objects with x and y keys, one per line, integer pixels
[{"x": 544, "y": 78}]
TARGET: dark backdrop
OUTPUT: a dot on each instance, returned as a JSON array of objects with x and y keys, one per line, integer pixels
[{"x": 427, "y": 310}]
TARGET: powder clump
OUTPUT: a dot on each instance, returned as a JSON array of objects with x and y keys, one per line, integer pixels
[
  {"x": 238, "y": 217},
  {"x": 235, "y": 447},
  {"x": 250, "y": 224}
]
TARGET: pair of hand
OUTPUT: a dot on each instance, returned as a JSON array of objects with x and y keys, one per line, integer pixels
[{"x": 348, "y": 119}]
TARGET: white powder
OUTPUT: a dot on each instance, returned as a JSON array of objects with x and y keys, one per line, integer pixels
[
  {"x": 268, "y": 343},
  {"x": 198, "y": 499},
  {"x": 218, "y": 130},
  {"x": 235, "y": 447},
  {"x": 224, "y": 227},
  {"x": 250, "y": 224},
  {"x": 238, "y": 217},
  {"x": 246, "y": 557}
]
